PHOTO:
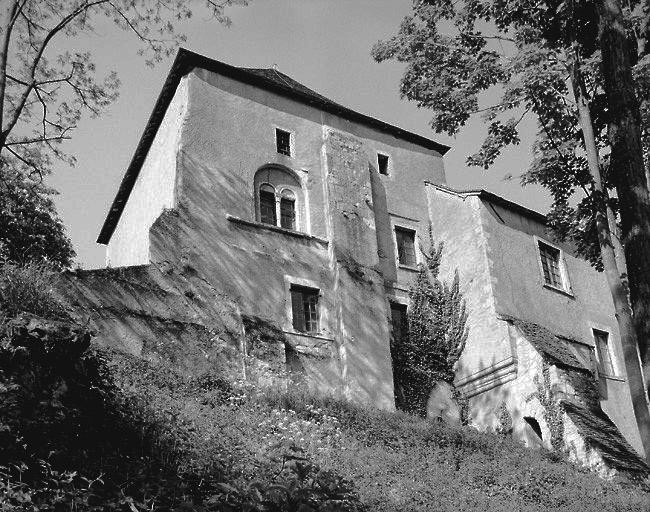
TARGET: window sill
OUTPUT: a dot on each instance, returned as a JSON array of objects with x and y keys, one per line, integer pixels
[
  {"x": 315, "y": 335},
  {"x": 409, "y": 268},
  {"x": 277, "y": 229},
  {"x": 559, "y": 290},
  {"x": 611, "y": 377}
]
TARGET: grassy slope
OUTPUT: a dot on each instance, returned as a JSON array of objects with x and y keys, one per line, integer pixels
[
  {"x": 401, "y": 463},
  {"x": 396, "y": 462},
  {"x": 161, "y": 441}
]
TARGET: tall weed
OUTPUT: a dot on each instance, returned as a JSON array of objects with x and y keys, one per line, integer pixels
[{"x": 29, "y": 288}]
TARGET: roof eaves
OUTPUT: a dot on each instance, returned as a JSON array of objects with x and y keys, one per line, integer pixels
[
  {"x": 178, "y": 69},
  {"x": 601, "y": 432},
  {"x": 493, "y": 198}
]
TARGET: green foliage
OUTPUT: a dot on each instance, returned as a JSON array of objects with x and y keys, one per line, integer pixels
[
  {"x": 504, "y": 419},
  {"x": 30, "y": 228},
  {"x": 29, "y": 288},
  {"x": 45, "y": 91},
  {"x": 401, "y": 462},
  {"x": 437, "y": 332},
  {"x": 95, "y": 429},
  {"x": 553, "y": 413},
  {"x": 509, "y": 59},
  {"x": 90, "y": 429}
]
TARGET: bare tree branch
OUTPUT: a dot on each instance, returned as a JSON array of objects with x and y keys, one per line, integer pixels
[{"x": 46, "y": 40}]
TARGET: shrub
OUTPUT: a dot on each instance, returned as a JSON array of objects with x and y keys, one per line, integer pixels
[
  {"x": 402, "y": 462},
  {"x": 29, "y": 288},
  {"x": 426, "y": 352}
]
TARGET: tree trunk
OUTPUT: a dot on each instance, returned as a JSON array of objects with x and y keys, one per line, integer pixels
[
  {"x": 627, "y": 166},
  {"x": 6, "y": 16},
  {"x": 604, "y": 219}
]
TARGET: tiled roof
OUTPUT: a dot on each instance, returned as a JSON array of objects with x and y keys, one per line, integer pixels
[
  {"x": 601, "y": 433},
  {"x": 546, "y": 342},
  {"x": 268, "y": 79},
  {"x": 285, "y": 81}
]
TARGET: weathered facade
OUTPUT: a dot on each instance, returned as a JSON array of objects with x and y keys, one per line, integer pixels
[{"x": 310, "y": 217}]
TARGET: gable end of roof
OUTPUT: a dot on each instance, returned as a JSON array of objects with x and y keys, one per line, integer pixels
[{"x": 271, "y": 80}]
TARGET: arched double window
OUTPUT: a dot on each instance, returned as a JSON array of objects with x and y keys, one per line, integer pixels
[{"x": 279, "y": 198}]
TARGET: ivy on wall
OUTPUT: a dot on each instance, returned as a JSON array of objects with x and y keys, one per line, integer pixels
[
  {"x": 435, "y": 336},
  {"x": 553, "y": 414}
]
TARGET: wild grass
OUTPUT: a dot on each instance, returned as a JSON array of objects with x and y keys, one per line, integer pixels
[{"x": 109, "y": 431}]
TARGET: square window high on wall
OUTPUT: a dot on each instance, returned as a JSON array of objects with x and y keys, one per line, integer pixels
[
  {"x": 305, "y": 308},
  {"x": 382, "y": 163},
  {"x": 283, "y": 142}
]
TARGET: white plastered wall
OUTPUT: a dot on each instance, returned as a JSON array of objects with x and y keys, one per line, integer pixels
[{"x": 154, "y": 189}]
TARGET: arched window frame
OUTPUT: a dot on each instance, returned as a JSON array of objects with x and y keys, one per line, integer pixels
[{"x": 299, "y": 200}]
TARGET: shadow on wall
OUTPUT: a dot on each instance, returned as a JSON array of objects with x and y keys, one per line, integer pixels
[
  {"x": 251, "y": 265},
  {"x": 172, "y": 316},
  {"x": 385, "y": 246}
]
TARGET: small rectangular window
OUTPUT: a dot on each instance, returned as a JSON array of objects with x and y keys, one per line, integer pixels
[
  {"x": 283, "y": 142},
  {"x": 304, "y": 308},
  {"x": 382, "y": 163},
  {"x": 551, "y": 265},
  {"x": 603, "y": 352},
  {"x": 405, "y": 239}
]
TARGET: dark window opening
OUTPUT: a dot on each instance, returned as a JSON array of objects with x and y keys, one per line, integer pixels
[
  {"x": 283, "y": 142},
  {"x": 405, "y": 246},
  {"x": 605, "y": 364},
  {"x": 267, "y": 207},
  {"x": 399, "y": 338},
  {"x": 304, "y": 308},
  {"x": 288, "y": 210},
  {"x": 293, "y": 364},
  {"x": 550, "y": 257},
  {"x": 399, "y": 321},
  {"x": 533, "y": 425},
  {"x": 382, "y": 163}
]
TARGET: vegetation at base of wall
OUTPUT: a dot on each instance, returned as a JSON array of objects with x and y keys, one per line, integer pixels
[
  {"x": 553, "y": 414},
  {"x": 87, "y": 429},
  {"x": 427, "y": 350},
  {"x": 28, "y": 288}
]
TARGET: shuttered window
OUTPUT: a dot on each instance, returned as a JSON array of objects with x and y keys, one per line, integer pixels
[
  {"x": 405, "y": 239},
  {"x": 305, "y": 309},
  {"x": 267, "y": 205},
  {"x": 288, "y": 210},
  {"x": 603, "y": 351}
]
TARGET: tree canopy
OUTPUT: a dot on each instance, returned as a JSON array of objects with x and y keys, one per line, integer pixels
[
  {"x": 504, "y": 60},
  {"x": 582, "y": 69},
  {"x": 30, "y": 228},
  {"x": 45, "y": 89}
]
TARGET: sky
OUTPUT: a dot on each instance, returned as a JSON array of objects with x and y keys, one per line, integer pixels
[{"x": 324, "y": 44}]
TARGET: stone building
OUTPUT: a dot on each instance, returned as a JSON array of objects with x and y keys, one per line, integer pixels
[{"x": 310, "y": 218}]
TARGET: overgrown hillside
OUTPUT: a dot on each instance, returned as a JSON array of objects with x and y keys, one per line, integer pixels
[{"x": 86, "y": 428}]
